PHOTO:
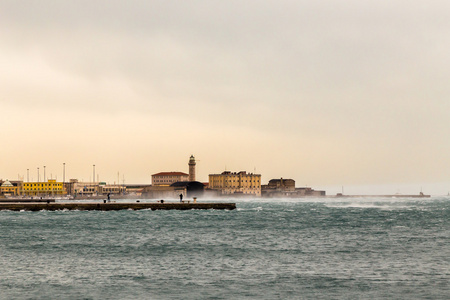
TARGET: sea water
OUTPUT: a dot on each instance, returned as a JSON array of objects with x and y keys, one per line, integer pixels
[{"x": 315, "y": 248}]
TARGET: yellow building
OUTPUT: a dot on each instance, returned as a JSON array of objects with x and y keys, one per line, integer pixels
[
  {"x": 236, "y": 183},
  {"x": 49, "y": 188},
  {"x": 9, "y": 189}
]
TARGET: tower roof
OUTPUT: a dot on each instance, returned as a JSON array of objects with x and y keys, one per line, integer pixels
[{"x": 7, "y": 183}]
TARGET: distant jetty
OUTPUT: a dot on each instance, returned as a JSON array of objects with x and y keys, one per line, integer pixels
[
  {"x": 113, "y": 206},
  {"x": 421, "y": 195},
  {"x": 26, "y": 200}
]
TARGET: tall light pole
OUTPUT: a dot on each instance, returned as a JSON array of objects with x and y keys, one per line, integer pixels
[
  {"x": 44, "y": 173},
  {"x": 38, "y": 176},
  {"x": 93, "y": 177},
  {"x": 64, "y": 173},
  {"x": 28, "y": 175}
]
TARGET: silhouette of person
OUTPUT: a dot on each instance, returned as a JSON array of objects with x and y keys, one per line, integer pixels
[{"x": 181, "y": 197}]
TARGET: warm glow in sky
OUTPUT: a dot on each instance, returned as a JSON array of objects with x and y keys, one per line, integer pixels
[{"x": 329, "y": 93}]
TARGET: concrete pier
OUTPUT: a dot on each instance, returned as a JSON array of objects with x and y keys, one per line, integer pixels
[
  {"x": 26, "y": 200},
  {"x": 113, "y": 206}
]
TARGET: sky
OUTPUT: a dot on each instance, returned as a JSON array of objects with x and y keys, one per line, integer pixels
[{"x": 332, "y": 94}]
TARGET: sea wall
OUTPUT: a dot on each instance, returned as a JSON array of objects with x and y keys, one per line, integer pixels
[{"x": 113, "y": 206}]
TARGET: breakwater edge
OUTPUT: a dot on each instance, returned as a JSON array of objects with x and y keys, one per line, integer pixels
[{"x": 108, "y": 206}]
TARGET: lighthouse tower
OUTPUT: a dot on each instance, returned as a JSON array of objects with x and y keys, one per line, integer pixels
[{"x": 192, "y": 168}]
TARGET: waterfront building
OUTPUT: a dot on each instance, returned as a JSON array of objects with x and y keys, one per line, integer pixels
[
  {"x": 76, "y": 188},
  {"x": 285, "y": 188},
  {"x": 279, "y": 188},
  {"x": 113, "y": 189},
  {"x": 100, "y": 189},
  {"x": 190, "y": 188},
  {"x": 236, "y": 183},
  {"x": 49, "y": 188},
  {"x": 8, "y": 188},
  {"x": 192, "y": 168},
  {"x": 135, "y": 190},
  {"x": 282, "y": 184},
  {"x": 162, "y": 192},
  {"x": 167, "y": 178},
  {"x": 309, "y": 192}
]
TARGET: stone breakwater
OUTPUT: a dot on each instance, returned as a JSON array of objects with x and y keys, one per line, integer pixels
[
  {"x": 25, "y": 200},
  {"x": 113, "y": 206}
]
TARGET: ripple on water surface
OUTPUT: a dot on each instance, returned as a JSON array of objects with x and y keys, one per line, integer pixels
[{"x": 314, "y": 248}]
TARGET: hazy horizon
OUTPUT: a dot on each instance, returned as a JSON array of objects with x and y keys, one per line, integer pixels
[{"x": 327, "y": 93}]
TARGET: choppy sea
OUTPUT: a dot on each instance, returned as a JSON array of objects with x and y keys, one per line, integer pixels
[{"x": 318, "y": 248}]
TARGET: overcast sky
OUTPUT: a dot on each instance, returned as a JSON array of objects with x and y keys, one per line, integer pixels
[{"x": 329, "y": 93}]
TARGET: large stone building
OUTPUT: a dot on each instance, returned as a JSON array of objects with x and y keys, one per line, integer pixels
[
  {"x": 236, "y": 183},
  {"x": 167, "y": 178}
]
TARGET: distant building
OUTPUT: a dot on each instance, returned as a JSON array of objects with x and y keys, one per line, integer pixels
[
  {"x": 8, "y": 188},
  {"x": 282, "y": 184},
  {"x": 83, "y": 189},
  {"x": 162, "y": 192},
  {"x": 190, "y": 188},
  {"x": 236, "y": 183},
  {"x": 91, "y": 189},
  {"x": 135, "y": 189},
  {"x": 285, "y": 188},
  {"x": 49, "y": 188},
  {"x": 309, "y": 192},
  {"x": 167, "y": 178},
  {"x": 112, "y": 189}
]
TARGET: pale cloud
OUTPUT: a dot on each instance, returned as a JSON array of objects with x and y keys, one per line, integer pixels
[{"x": 326, "y": 92}]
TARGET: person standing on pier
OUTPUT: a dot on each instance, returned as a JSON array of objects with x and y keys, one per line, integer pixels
[{"x": 181, "y": 198}]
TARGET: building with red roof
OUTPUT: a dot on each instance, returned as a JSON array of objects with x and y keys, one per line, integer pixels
[{"x": 167, "y": 178}]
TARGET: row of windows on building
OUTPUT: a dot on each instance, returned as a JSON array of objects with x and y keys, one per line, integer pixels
[
  {"x": 38, "y": 189},
  {"x": 41, "y": 185},
  {"x": 237, "y": 180}
]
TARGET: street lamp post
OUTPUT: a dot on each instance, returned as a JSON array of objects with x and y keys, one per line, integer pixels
[
  {"x": 64, "y": 179},
  {"x": 39, "y": 180},
  {"x": 93, "y": 180}
]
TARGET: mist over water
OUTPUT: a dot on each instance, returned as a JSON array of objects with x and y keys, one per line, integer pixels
[{"x": 364, "y": 248}]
